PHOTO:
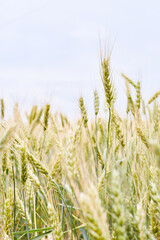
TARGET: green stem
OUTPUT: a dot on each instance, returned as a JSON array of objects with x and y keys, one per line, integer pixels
[
  {"x": 89, "y": 135},
  {"x": 34, "y": 212},
  {"x": 14, "y": 189},
  {"x": 62, "y": 210},
  {"x": 109, "y": 123},
  {"x": 96, "y": 147},
  {"x": 25, "y": 214},
  {"x": 66, "y": 207}
]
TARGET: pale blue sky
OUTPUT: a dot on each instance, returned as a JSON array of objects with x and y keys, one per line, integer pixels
[{"x": 50, "y": 50}]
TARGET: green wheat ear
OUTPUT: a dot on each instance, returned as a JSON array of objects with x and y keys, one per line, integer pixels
[
  {"x": 154, "y": 97},
  {"x": 23, "y": 166},
  {"x": 94, "y": 214},
  {"x": 119, "y": 133},
  {"x": 107, "y": 83},
  {"x": 83, "y": 112},
  {"x": 138, "y": 95},
  {"x": 4, "y": 162},
  {"x": 118, "y": 213},
  {"x": 46, "y": 117},
  {"x": 129, "y": 80},
  {"x": 2, "y": 108},
  {"x": 33, "y": 114},
  {"x": 8, "y": 220},
  {"x": 156, "y": 117},
  {"x": 96, "y": 102},
  {"x": 142, "y": 136}
]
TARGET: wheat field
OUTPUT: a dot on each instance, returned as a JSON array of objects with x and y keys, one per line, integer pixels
[{"x": 87, "y": 179}]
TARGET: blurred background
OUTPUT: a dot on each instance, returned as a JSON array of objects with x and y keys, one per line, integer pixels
[{"x": 50, "y": 51}]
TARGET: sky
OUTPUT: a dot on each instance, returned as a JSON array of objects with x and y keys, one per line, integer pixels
[{"x": 50, "y": 50}]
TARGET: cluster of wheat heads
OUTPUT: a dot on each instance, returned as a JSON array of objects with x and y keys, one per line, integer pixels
[{"x": 84, "y": 179}]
